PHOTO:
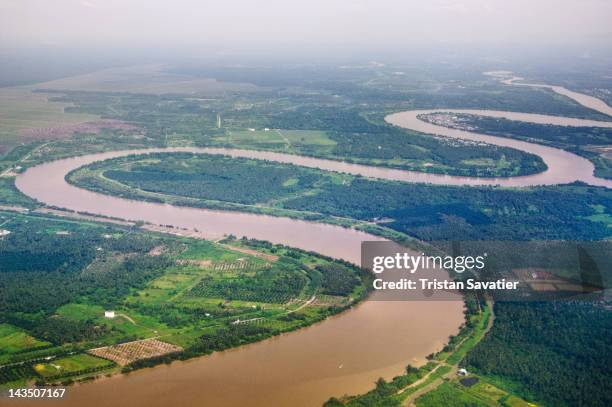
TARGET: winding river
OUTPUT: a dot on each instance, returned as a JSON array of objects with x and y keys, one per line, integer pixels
[{"x": 342, "y": 355}]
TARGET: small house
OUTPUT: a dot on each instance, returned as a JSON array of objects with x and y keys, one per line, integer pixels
[
  {"x": 109, "y": 314},
  {"x": 462, "y": 372}
]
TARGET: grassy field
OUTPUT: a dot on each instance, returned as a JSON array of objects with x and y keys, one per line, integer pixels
[
  {"x": 13, "y": 340},
  {"x": 70, "y": 365},
  {"x": 601, "y": 215}
]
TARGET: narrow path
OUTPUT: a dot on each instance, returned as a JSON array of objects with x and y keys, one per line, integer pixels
[
  {"x": 305, "y": 304},
  {"x": 410, "y": 401},
  {"x": 128, "y": 318},
  {"x": 285, "y": 139}
]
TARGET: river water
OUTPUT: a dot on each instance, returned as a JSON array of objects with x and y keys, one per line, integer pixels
[{"x": 344, "y": 354}]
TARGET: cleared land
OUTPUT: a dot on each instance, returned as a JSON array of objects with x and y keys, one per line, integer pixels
[
  {"x": 129, "y": 352},
  {"x": 22, "y": 111}
]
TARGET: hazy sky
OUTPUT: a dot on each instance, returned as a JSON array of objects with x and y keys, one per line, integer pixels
[{"x": 129, "y": 23}]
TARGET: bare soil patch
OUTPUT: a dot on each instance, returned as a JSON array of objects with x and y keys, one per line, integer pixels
[
  {"x": 129, "y": 352},
  {"x": 67, "y": 130}
]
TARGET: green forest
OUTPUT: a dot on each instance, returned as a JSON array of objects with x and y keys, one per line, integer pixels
[{"x": 555, "y": 353}]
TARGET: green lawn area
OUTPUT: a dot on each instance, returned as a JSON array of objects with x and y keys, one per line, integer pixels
[
  {"x": 13, "y": 339},
  {"x": 171, "y": 284},
  {"x": 160, "y": 296},
  {"x": 70, "y": 365},
  {"x": 81, "y": 312}
]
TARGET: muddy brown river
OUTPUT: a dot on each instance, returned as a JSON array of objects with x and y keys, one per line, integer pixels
[{"x": 342, "y": 355}]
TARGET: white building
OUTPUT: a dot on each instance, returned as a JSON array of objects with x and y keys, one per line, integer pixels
[
  {"x": 462, "y": 372},
  {"x": 109, "y": 314}
]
